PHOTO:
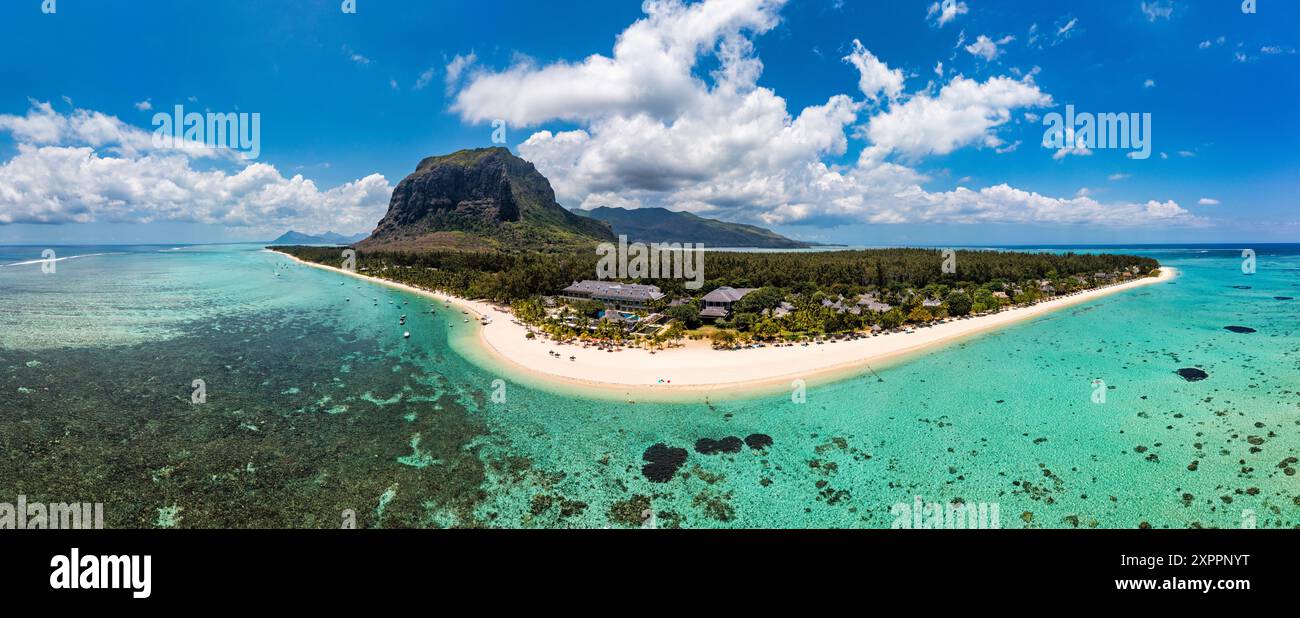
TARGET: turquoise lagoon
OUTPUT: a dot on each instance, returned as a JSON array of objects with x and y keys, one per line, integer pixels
[{"x": 316, "y": 406}]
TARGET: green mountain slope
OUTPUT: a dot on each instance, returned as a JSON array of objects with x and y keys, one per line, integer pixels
[
  {"x": 484, "y": 199},
  {"x": 662, "y": 225}
]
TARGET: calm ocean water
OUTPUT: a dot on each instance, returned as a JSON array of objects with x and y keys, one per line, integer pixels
[{"x": 316, "y": 405}]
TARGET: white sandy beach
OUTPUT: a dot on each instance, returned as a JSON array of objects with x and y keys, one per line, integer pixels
[{"x": 696, "y": 367}]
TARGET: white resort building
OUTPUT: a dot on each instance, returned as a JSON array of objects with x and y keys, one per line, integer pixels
[{"x": 618, "y": 296}]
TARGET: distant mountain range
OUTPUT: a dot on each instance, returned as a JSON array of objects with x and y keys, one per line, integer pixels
[
  {"x": 328, "y": 238},
  {"x": 480, "y": 200},
  {"x": 662, "y": 225}
]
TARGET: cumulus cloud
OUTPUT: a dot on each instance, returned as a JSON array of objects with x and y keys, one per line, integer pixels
[
  {"x": 86, "y": 166},
  {"x": 945, "y": 11},
  {"x": 649, "y": 130},
  {"x": 875, "y": 76},
  {"x": 457, "y": 68},
  {"x": 650, "y": 71},
  {"x": 964, "y": 112},
  {"x": 1208, "y": 201},
  {"x": 641, "y": 127},
  {"x": 987, "y": 48},
  {"x": 1078, "y": 151}
]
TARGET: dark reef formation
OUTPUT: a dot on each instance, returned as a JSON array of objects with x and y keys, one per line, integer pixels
[
  {"x": 758, "y": 441},
  {"x": 662, "y": 462},
  {"x": 1192, "y": 374},
  {"x": 709, "y": 446}
]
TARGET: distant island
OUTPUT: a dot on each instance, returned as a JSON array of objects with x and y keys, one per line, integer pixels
[
  {"x": 482, "y": 228},
  {"x": 328, "y": 238},
  {"x": 483, "y": 225},
  {"x": 661, "y": 225}
]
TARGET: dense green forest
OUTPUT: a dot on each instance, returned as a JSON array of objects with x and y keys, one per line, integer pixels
[{"x": 506, "y": 277}]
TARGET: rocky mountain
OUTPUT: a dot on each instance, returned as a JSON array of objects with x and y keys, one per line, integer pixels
[
  {"x": 661, "y": 225},
  {"x": 479, "y": 200},
  {"x": 328, "y": 238}
]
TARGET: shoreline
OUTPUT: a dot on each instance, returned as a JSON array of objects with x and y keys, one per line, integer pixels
[{"x": 695, "y": 370}]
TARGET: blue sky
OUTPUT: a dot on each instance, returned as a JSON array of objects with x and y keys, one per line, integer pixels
[{"x": 748, "y": 110}]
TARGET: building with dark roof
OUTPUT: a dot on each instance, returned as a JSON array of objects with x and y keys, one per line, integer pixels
[
  {"x": 717, "y": 304},
  {"x": 621, "y": 296}
]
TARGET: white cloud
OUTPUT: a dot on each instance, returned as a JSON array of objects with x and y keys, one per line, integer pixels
[
  {"x": 457, "y": 68},
  {"x": 1012, "y": 147},
  {"x": 355, "y": 57},
  {"x": 1208, "y": 201},
  {"x": 945, "y": 11},
  {"x": 1206, "y": 44},
  {"x": 1157, "y": 9},
  {"x": 1118, "y": 176},
  {"x": 425, "y": 79},
  {"x": 87, "y": 166},
  {"x": 1064, "y": 31},
  {"x": 648, "y": 131},
  {"x": 964, "y": 112},
  {"x": 1080, "y": 151},
  {"x": 1149, "y": 83},
  {"x": 724, "y": 146},
  {"x": 43, "y": 126},
  {"x": 144, "y": 105},
  {"x": 987, "y": 48},
  {"x": 650, "y": 71},
  {"x": 876, "y": 76}
]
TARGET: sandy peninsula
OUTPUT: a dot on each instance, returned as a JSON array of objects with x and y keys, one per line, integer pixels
[{"x": 695, "y": 368}]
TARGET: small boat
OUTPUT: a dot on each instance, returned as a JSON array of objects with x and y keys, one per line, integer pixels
[{"x": 406, "y": 335}]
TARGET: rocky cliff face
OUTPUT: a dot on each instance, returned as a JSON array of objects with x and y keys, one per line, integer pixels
[{"x": 481, "y": 199}]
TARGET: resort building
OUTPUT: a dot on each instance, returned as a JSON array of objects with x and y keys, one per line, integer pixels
[
  {"x": 871, "y": 303},
  {"x": 620, "y": 296},
  {"x": 717, "y": 304}
]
